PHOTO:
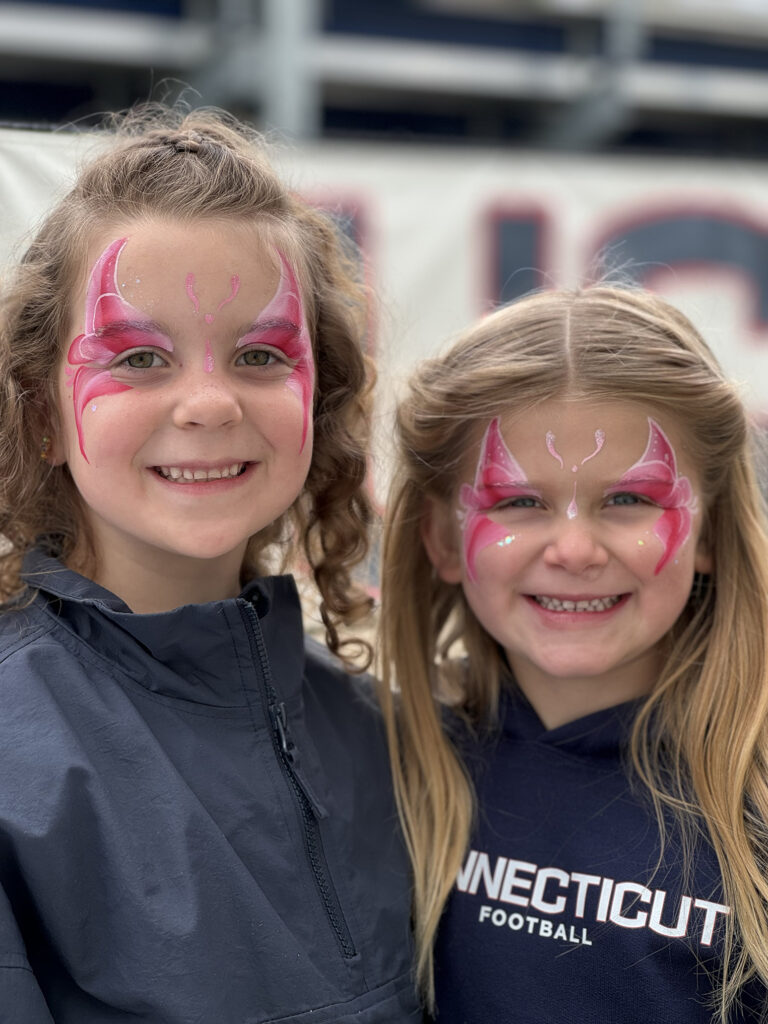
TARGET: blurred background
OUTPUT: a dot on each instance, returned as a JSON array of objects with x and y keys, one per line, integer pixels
[
  {"x": 673, "y": 76},
  {"x": 475, "y": 149}
]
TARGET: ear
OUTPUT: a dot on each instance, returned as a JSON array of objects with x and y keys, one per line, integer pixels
[
  {"x": 441, "y": 537},
  {"x": 56, "y": 454},
  {"x": 52, "y": 448},
  {"x": 702, "y": 560}
]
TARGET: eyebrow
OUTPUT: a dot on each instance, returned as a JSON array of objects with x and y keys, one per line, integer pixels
[
  {"x": 500, "y": 484},
  {"x": 626, "y": 485},
  {"x": 259, "y": 326},
  {"x": 147, "y": 327}
]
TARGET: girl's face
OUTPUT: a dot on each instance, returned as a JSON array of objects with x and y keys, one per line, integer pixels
[
  {"x": 575, "y": 536},
  {"x": 185, "y": 393}
]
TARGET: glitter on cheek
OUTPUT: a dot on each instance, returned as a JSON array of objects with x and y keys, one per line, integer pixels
[
  {"x": 480, "y": 532},
  {"x": 506, "y": 541}
]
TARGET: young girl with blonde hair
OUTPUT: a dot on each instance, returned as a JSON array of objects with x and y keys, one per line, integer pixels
[
  {"x": 575, "y": 600},
  {"x": 196, "y": 814}
]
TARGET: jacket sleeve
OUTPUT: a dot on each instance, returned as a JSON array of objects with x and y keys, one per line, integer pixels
[{"x": 20, "y": 995}]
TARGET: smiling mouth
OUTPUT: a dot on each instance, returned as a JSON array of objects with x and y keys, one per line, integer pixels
[
  {"x": 192, "y": 476},
  {"x": 595, "y": 604}
]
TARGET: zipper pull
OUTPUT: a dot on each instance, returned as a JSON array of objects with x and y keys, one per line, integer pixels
[
  {"x": 288, "y": 749},
  {"x": 280, "y": 725}
]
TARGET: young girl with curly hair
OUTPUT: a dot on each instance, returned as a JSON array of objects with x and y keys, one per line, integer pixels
[{"x": 196, "y": 816}]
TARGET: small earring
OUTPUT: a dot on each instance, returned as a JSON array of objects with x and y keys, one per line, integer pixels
[{"x": 45, "y": 447}]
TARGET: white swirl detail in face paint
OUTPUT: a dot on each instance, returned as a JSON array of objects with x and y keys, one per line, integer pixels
[
  {"x": 573, "y": 509},
  {"x": 550, "y": 442}
]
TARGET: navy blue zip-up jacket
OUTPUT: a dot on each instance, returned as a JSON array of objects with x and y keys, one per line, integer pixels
[{"x": 196, "y": 818}]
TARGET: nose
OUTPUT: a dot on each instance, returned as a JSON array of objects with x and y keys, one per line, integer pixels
[
  {"x": 207, "y": 400},
  {"x": 574, "y": 546}
]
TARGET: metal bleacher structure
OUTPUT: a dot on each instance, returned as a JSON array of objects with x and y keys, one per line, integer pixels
[{"x": 584, "y": 75}]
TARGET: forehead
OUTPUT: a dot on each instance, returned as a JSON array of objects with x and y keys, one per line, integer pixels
[
  {"x": 159, "y": 256},
  {"x": 615, "y": 434}
]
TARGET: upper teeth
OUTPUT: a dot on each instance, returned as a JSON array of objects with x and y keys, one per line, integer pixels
[
  {"x": 596, "y": 604},
  {"x": 192, "y": 475}
]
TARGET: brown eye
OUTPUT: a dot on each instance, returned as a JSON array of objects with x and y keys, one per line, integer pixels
[{"x": 256, "y": 357}]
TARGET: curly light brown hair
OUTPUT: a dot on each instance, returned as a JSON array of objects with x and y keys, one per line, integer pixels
[{"x": 189, "y": 166}]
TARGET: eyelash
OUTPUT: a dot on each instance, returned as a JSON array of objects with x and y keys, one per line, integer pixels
[
  {"x": 513, "y": 502},
  {"x": 638, "y": 499}
]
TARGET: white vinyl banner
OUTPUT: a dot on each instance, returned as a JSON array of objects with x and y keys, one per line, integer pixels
[{"x": 447, "y": 234}]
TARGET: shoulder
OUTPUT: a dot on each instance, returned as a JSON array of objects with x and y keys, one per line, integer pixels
[
  {"x": 25, "y": 630},
  {"x": 325, "y": 672},
  {"x": 341, "y": 709}
]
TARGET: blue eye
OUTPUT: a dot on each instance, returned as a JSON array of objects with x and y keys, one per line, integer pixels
[
  {"x": 522, "y": 501},
  {"x": 626, "y": 498}
]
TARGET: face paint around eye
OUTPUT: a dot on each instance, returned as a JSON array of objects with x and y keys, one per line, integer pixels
[
  {"x": 498, "y": 475},
  {"x": 655, "y": 476},
  {"x": 112, "y": 325},
  {"x": 281, "y": 325}
]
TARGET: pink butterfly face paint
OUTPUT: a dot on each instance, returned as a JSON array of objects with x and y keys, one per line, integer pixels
[
  {"x": 281, "y": 325},
  {"x": 655, "y": 477},
  {"x": 498, "y": 476},
  {"x": 112, "y": 326}
]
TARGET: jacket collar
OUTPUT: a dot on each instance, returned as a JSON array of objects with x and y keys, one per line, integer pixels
[{"x": 200, "y": 652}]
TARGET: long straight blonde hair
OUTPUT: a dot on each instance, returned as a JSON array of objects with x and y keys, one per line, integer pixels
[{"x": 706, "y": 755}]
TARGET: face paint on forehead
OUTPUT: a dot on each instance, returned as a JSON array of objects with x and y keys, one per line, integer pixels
[
  {"x": 549, "y": 439},
  {"x": 498, "y": 474},
  {"x": 281, "y": 325},
  {"x": 112, "y": 326},
  {"x": 209, "y": 363},
  {"x": 655, "y": 476}
]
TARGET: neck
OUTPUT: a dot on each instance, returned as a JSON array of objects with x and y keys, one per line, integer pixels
[
  {"x": 165, "y": 583},
  {"x": 559, "y": 700}
]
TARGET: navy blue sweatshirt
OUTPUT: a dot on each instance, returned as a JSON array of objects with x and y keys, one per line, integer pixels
[
  {"x": 565, "y": 910},
  {"x": 196, "y": 819}
]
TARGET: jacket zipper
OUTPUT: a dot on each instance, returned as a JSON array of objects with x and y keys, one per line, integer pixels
[{"x": 287, "y": 758}]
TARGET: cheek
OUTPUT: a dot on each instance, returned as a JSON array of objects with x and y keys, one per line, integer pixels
[
  {"x": 481, "y": 533},
  {"x": 640, "y": 549},
  {"x": 280, "y": 413},
  {"x": 498, "y": 561},
  {"x": 108, "y": 425},
  {"x": 651, "y": 558}
]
